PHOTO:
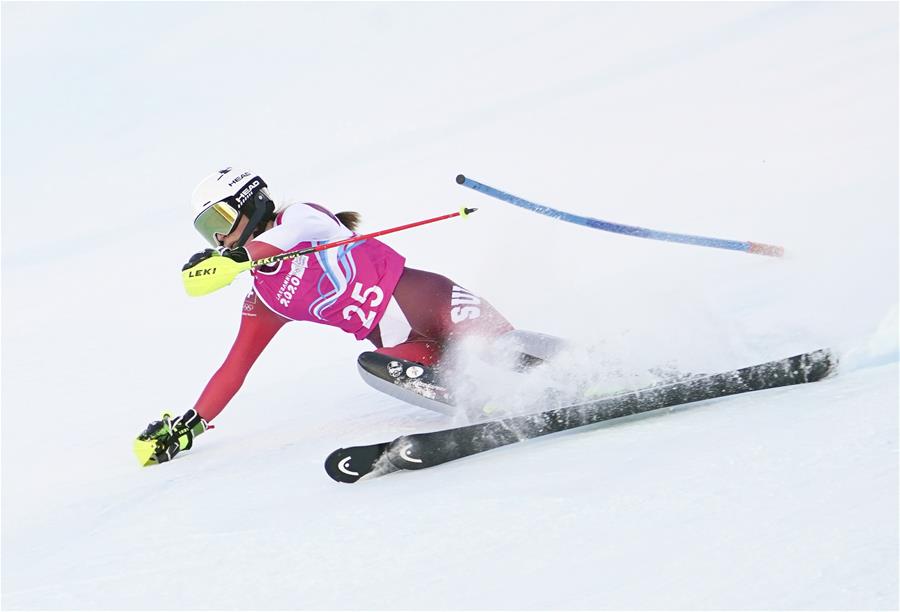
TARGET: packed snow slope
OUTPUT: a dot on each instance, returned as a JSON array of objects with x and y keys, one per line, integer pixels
[{"x": 749, "y": 121}]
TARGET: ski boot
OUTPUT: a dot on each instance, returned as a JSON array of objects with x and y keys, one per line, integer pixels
[
  {"x": 164, "y": 439},
  {"x": 409, "y": 381}
]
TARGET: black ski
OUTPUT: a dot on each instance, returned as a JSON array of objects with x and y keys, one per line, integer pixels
[
  {"x": 351, "y": 464},
  {"x": 419, "y": 451}
]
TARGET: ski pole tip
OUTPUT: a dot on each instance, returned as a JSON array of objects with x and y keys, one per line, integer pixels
[
  {"x": 465, "y": 212},
  {"x": 460, "y": 179}
]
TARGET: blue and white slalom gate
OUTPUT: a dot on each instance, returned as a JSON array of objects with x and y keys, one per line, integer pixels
[{"x": 756, "y": 248}]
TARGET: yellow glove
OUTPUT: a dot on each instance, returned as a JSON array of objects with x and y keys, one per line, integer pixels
[{"x": 210, "y": 270}]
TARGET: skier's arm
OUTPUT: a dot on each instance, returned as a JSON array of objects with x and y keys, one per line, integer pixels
[
  {"x": 260, "y": 250},
  {"x": 258, "y": 326}
]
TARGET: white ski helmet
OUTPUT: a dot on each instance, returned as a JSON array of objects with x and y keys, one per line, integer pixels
[{"x": 221, "y": 199}]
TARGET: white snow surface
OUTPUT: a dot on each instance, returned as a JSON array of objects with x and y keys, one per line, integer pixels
[{"x": 773, "y": 122}]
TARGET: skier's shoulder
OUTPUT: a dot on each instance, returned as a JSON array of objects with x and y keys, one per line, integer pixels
[
  {"x": 306, "y": 212},
  {"x": 304, "y": 222}
]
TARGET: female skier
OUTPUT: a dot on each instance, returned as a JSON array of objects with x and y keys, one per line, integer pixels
[{"x": 363, "y": 288}]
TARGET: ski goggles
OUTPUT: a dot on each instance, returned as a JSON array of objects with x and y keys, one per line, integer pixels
[{"x": 217, "y": 219}]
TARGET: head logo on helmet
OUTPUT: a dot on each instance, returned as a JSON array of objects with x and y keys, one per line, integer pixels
[
  {"x": 220, "y": 205},
  {"x": 235, "y": 181},
  {"x": 246, "y": 192}
]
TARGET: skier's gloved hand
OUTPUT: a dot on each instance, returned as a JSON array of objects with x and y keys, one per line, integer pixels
[
  {"x": 238, "y": 254},
  {"x": 211, "y": 269},
  {"x": 162, "y": 440},
  {"x": 198, "y": 257}
]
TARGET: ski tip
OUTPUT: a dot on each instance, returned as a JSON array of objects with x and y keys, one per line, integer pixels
[
  {"x": 337, "y": 467},
  {"x": 350, "y": 464},
  {"x": 460, "y": 179}
]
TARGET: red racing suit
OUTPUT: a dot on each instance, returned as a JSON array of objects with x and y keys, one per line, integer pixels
[{"x": 364, "y": 289}]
